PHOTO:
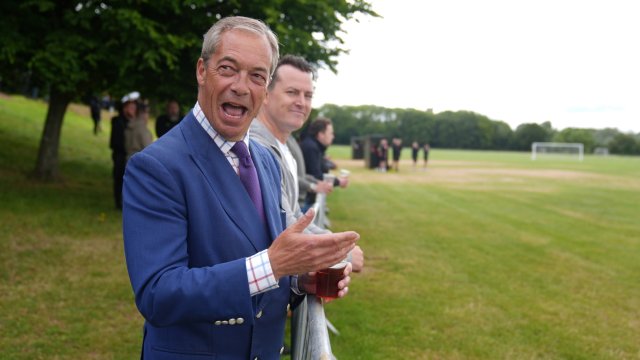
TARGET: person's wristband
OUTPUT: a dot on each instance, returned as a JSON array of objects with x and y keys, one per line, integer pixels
[{"x": 313, "y": 187}]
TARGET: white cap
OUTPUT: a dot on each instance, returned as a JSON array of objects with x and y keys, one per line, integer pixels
[{"x": 132, "y": 96}]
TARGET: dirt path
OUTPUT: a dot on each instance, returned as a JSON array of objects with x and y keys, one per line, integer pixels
[{"x": 468, "y": 172}]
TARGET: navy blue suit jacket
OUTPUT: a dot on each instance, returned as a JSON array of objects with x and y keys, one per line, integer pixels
[{"x": 188, "y": 226}]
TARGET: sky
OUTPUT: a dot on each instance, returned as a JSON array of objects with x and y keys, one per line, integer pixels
[{"x": 573, "y": 63}]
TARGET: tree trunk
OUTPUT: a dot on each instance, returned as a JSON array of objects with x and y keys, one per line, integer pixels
[{"x": 47, "y": 163}]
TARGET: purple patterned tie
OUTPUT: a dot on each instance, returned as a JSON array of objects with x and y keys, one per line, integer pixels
[{"x": 249, "y": 176}]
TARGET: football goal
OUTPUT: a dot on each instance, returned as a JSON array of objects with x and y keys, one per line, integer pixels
[{"x": 552, "y": 148}]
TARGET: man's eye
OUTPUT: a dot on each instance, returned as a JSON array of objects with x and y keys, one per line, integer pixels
[
  {"x": 259, "y": 79},
  {"x": 225, "y": 70}
]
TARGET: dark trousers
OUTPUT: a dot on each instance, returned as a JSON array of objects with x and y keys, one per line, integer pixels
[{"x": 119, "y": 163}]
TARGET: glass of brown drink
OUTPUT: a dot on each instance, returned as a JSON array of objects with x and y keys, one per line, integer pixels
[{"x": 327, "y": 280}]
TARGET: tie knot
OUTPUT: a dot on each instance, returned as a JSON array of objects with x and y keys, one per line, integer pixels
[{"x": 240, "y": 149}]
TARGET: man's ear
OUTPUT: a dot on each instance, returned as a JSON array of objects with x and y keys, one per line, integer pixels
[{"x": 201, "y": 71}]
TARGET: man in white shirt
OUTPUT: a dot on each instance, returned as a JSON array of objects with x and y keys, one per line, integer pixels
[{"x": 284, "y": 110}]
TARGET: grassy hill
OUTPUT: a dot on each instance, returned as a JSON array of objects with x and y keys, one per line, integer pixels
[
  {"x": 484, "y": 255},
  {"x": 64, "y": 288}
]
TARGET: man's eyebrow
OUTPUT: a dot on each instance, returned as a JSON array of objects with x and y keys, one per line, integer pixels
[
  {"x": 261, "y": 69},
  {"x": 236, "y": 63},
  {"x": 227, "y": 58}
]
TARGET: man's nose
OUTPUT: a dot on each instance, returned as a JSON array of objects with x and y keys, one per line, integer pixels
[
  {"x": 300, "y": 100},
  {"x": 240, "y": 87}
]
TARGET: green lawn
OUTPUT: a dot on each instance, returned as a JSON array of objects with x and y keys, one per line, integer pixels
[
  {"x": 489, "y": 255},
  {"x": 64, "y": 291},
  {"x": 485, "y": 255}
]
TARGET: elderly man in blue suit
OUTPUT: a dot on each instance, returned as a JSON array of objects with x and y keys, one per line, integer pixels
[{"x": 212, "y": 268}]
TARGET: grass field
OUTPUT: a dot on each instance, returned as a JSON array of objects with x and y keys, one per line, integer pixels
[{"x": 485, "y": 255}]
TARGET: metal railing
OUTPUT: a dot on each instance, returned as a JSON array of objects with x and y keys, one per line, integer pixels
[{"x": 309, "y": 332}]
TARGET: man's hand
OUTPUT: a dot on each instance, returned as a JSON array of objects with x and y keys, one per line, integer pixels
[
  {"x": 357, "y": 259},
  {"x": 324, "y": 187},
  {"x": 307, "y": 282},
  {"x": 344, "y": 181},
  {"x": 293, "y": 252}
]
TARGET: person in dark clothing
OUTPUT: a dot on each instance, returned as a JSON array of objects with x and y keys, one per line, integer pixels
[
  {"x": 373, "y": 153},
  {"x": 128, "y": 112},
  {"x": 383, "y": 155},
  {"x": 396, "y": 149},
  {"x": 314, "y": 146},
  {"x": 94, "y": 105},
  {"x": 426, "y": 149},
  {"x": 168, "y": 120},
  {"x": 415, "y": 147}
]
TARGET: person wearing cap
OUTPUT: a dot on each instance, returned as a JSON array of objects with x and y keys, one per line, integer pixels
[
  {"x": 212, "y": 268},
  {"x": 127, "y": 112},
  {"x": 136, "y": 134}
]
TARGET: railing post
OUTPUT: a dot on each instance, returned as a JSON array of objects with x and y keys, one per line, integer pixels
[{"x": 309, "y": 333}]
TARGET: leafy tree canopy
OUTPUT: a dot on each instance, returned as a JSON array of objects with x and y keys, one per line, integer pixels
[
  {"x": 73, "y": 48},
  {"x": 79, "y": 46}
]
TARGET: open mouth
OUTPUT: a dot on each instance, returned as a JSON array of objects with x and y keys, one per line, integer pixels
[{"x": 234, "y": 110}]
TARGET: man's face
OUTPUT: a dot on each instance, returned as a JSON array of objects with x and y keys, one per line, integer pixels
[
  {"x": 233, "y": 83},
  {"x": 173, "y": 109},
  {"x": 129, "y": 109},
  {"x": 288, "y": 105},
  {"x": 326, "y": 137}
]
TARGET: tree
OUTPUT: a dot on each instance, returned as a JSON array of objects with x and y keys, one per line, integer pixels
[
  {"x": 358, "y": 120},
  {"x": 604, "y": 137},
  {"x": 624, "y": 144},
  {"x": 502, "y": 135},
  {"x": 345, "y": 124},
  {"x": 574, "y": 135},
  {"x": 72, "y": 48},
  {"x": 526, "y": 134},
  {"x": 414, "y": 125}
]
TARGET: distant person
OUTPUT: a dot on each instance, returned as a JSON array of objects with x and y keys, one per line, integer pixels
[
  {"x": 383, "y": 155},
  {"x": 94, "y": 106},
  {"x": 169, "y": 119},
  {"x": 373, "y": 153},
  {"x": 307, "y": 183},
  {"x": 415, "y": 148},
  {"x": 107, "y": 103},
  {"x": 319, "y": 138},
  {"x": 396, "y": 149},
  {"x": 426, "y": 149},
  {"x": 127, "y": 112},
  {"x": 137, "y": 135}
]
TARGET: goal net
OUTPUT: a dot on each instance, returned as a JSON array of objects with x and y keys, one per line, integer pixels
[{"x": 573, "y": 150}]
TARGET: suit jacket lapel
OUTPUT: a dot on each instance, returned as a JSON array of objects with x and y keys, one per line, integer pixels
[
  {"x": 224, "y": 182},
  {"x": 270, "y": 195}
]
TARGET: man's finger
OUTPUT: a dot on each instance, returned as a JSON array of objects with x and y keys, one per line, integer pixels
[
  {"x": 302, "y": 222},
  {"x": 348, "y": 269},
  {"x": 349, "y": 236}
]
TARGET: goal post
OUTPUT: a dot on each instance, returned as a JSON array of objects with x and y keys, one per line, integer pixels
[{"x": 555, "y": 148}]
